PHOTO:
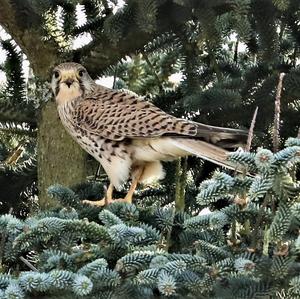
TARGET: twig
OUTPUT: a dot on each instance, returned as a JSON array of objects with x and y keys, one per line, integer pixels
[
  {"x": 108, "y": 10},
  {"x": 236, "y": 51},
  {"x": 181, "y": 174},
  {"x": 295, "y": 57},
  {"x": 169, "y": 233},
  {"x": 214, "y": 63},
  {"x": 28, "y": 264},
  {"x": 233, "y": 232},
  {"x": 177, "y": 182},
  {"x": 298, "y": 136},
  {"x": 251, "y": 131},
  {"x": 257, "y": 224},
  {"x": 3, "y": 240},
  {"x": 183, "y": 183},
  {"x": 247, "y": 149},
  {"x": 2, "y": 244},
  {"x": 276, "y": 135},
  {"x": 266, "y": 241},
  {"x": 115, "y": 78},
  {"x": 17, "y": 152}
]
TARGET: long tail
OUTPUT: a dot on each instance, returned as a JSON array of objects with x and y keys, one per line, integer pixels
[
  {"x": 203, "y": 150},
  {"x": 223, "y": 137}
]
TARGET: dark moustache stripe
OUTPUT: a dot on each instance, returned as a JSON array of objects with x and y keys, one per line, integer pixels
[
  {"x": 81, "y": 85},
  {"x": 57, "y": 88}
]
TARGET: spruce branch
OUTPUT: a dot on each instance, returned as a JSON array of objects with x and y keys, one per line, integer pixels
[
  {"x": 276, "y": 129},
  {"x": 17, "y": 128},
  {"x": 153, "y": 71}
]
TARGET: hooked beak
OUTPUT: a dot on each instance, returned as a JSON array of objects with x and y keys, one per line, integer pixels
[{"x": 68, "y": 82}]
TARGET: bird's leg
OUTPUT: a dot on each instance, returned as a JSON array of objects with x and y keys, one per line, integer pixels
[
  {"x": 109, "y": 193},
  {"x": 135, "y": 181},
  {"x": 105, "y": 201},
  {"x": 128, "y": 198},
  {"x": 136, "y": 178}
]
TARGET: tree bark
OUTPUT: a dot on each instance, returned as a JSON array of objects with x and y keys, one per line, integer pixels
[{"x": 60, "y": 159}]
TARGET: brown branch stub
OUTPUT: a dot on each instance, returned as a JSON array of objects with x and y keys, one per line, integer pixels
[
  {"x": 28, "y": 264},
  {"x": 298, "y": 136},
  {"x": 276, "y": 129},
  {"x": 251, "y": 131}
]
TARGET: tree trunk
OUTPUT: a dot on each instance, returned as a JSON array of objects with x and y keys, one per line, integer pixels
[{"x": 60, "y": 159}]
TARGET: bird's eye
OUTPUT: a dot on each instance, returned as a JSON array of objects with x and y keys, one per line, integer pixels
[
  {"x": 81, "y": 72},
  {"x": 56, "y": 74}
]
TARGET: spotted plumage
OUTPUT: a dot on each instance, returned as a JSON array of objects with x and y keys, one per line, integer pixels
[{"x": 130, "y": 136}]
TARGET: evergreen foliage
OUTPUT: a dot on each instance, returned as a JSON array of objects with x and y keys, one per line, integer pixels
[
  {"x": 229, "y": 55},
  {"x": 249, "y": 248}
]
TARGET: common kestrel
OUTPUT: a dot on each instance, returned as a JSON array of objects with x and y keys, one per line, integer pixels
[{"x": 128, "y": 135}]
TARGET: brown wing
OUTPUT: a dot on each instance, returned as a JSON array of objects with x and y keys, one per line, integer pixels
[{"x": 117, "y": 115}]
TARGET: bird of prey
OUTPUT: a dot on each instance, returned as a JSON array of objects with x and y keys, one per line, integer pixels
[{"x": 128, "y": 135}]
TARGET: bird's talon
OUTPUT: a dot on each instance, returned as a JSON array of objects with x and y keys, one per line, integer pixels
[
  {"x": 98, "y": 203},
  {"x": 127, "y": 200},
  {"x": 104, "y": 202}
]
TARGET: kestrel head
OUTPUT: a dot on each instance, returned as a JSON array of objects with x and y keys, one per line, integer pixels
[{"x": 69, "y": 81}]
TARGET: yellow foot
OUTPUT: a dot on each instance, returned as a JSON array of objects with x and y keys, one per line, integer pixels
[
  {"x": 123, "y": 200},
  {"x": 99, "y": 203},
  {"x": 105, "y": 202}
]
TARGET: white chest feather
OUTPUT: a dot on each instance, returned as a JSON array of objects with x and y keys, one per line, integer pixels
[{"x": 67, "y": 94}]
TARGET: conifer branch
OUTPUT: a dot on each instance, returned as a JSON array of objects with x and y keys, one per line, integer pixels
[
  {"x": 17, "y": 129},
  {"x": 153, "y": 70}
]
